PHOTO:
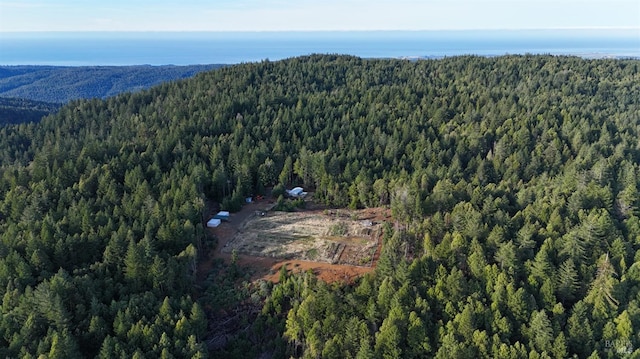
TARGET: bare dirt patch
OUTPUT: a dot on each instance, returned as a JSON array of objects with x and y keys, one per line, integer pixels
[
  {"x": 327, "y": 272},
  {"x": 265, "y": 267},
  {"x": 318, "y": 236}
]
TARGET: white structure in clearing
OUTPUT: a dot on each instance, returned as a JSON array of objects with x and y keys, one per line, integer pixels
[
  {"x": 296, "y": 192},
  {"x": 222, "y": 215},
  {"x": 213, "y": 222}
]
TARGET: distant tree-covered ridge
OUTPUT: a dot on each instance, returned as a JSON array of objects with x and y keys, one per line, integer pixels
[
  {"x": 17, "y": 110},
  {"x": 61, "y": 84},
  {"x": 513, "y": 184}
]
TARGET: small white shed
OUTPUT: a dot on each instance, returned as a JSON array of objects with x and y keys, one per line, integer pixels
[
  {"x": 223, "y": 215},
  {"x": 213, "y": 222},
  {"x": 296, "y": 192}
]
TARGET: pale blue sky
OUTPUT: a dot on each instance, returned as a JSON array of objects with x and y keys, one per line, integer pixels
[{"x": 308, "y": 15}]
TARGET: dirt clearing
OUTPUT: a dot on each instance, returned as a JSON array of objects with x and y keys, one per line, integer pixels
[
  {"x": 318, "y": 236},
  {"x": 335, "y": 244}
]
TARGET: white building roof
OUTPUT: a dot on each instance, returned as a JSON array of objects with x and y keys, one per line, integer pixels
[
  {"x": 296, "y": 191},
  {"x": 213, "y": 222}
]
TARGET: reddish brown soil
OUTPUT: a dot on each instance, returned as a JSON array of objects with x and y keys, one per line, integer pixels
[
  {"x": 268, "y": 268},
  {"x": 327, "y": 272}
]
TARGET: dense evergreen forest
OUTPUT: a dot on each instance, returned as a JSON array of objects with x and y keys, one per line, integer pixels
[
  {"x": 61, "y": 84},
  {"x": 513, "y": 183}
]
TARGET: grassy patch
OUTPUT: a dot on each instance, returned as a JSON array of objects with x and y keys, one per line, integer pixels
[
  {"x": 312, "y": 254},
  {"x": 338, "y": 229}
]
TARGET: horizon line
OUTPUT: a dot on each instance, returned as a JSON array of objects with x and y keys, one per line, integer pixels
[{"x": 629, "y": 28}]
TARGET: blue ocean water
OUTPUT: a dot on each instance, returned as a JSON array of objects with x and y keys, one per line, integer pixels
[{"x": 161, "y": 48}]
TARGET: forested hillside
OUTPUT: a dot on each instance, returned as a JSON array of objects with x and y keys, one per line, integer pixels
[
  {"x": 15, "y": 110},
  {"x": 513, "y": 183},
  {"x": 61, "y": 84}
]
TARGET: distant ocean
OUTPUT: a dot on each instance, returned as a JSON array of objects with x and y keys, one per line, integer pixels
[{"x": 160, "y": 48}]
